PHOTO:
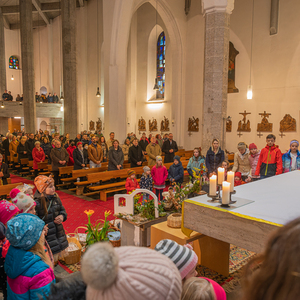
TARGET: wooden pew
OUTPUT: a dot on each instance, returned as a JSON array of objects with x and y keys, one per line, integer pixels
[
  {"x": 65, "y": 171},
  {"x": 5, "y": 189},
  {"x": 48, "y": 172},
  {"x": 25, "y": 169}
]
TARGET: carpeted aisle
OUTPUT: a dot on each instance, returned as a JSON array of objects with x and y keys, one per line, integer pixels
[{"x": 76, "y": 206}]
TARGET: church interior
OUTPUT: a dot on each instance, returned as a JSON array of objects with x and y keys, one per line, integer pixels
[{"x": 180, "y": 112}]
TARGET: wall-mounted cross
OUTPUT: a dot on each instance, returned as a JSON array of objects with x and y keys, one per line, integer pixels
[
  {"x": 281, "y": 134},
  {"x": 239, "y": 134},
  {"x": 259, "y": 134}
]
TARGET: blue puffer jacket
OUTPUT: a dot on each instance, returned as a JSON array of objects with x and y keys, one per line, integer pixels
[
  {"x": 287, "y": 161},
  {"x": 176, "y": 172},
  {"x": 28, "y": 277}
]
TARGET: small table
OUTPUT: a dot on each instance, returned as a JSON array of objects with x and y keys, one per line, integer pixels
[{"x": 212, "y": 253}]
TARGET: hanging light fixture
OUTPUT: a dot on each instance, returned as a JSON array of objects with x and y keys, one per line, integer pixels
[
  {"x": 98, "y": 89},
  {"x": 249, "y": 89},
  {"x": 62, "y": 96},
  {"x": 12, "y": 77},
  {"x": 156, "y": 87}
]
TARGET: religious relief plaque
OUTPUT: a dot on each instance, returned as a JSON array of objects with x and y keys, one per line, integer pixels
[
  {"x": 142, "y": 124},
  {"x": 164, "y": 125},
  {"x": 264, "y": 125},
  {"x": 244, "y": 124},
  {"x": 92, "y": 125},
  {"x": 228, "y": 125},
  {"x": 153, "y": 125},
  {"x": 288, "y": 123},
  {"x": 231, "y": 69},
  {"x": 99, "y": 124},
  {"x": 193, "y": 124}
]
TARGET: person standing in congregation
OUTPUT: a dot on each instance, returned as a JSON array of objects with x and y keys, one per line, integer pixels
[
  {"x": 195, "y": 162},
  {"x": 95, "y": 154},
  {"x": 5, "y": 144},
  {"x": 80, "y": 157},
  {"x": 30, "y": 143},
  {"x": 111, "y": 140},
  {"x": 144, "y": 143},
  {"x": 153, "y": 150},
  {"x": 125, "y": 149},
  {"x": 135, "y": 154},
  {"x": 115, "y": 157},
  {"x": 169, "y": 148},
  {"x": 291, "y": 159},
  {"x": 38, "y": 156},
  {"x": 104, "y": 147},
  {"x": 270, "y": 159},
  {"x": 241, "y": 162},
  {"x": 4, "y": 174},
  {"x": 253, "y": 159},
  {"x": 13, "y": 150},
  {"x": 214, "y": 157}
]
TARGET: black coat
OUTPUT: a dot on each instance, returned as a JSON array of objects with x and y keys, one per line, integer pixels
[
  {"x": 78, "y": 160},
  {"x": 47, "y": 150},
  {"x": 56, "y": 236},
  {"x": 116, "y": 157},
  {"x": 4, "y": 170},
  {"x": 169, "y": 157},
  {"x": 135, "y": 155},
  {"x": 5, "y": 144},
  {"x": 21, "y": 148},
  {"x": 143, "y": 144},
  {"x": 213, "y": 161},
  {"x": 30, "y": 145}
]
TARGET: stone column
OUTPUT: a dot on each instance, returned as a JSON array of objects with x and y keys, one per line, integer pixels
[
  {"x": 68, "y": 12},
  {"x": 27, "y": 65},
  {"x": 2, "y": 56},
  {"x": 50, "y": 57},
  {"x": 217, "y": 19}
]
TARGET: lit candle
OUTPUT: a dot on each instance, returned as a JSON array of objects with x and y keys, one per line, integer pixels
[
  {"x": 213, "y": 185},
  {"x": 230, "y": 179},
  {"x": 225, "y": 192},
  {"x": 221, "y": 176}
]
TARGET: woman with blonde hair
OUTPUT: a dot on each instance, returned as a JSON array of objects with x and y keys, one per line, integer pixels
[{"x": 214, "y": 157}]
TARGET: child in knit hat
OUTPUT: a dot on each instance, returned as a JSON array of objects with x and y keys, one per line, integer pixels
[
  {"x": 159, "y": 175},
  {"x": 146, "y": 182},
  {"x": 131, "y": 182},
  {"x": 238, "y": 179},
  {"x": 32, "y": 275},
  {"x": 3, "y": 278},
  {"x": 135, "y": 273},
  {"x": 253, "y": 160},
  {"x": 24, "y": 202},
  {"x": 176, "y": 171},
  {"x": 186, "y": 261}
]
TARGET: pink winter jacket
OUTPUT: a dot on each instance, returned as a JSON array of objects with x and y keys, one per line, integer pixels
[
  {"x": 159, "y": 175},
  {"x": 253, "y": 163}
]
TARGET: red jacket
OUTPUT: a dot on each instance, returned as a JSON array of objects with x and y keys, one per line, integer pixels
[
  {"x": 159, "y": 175},
  {"x": 131, "y": 185},
  {"x": 70, "y": 150},
  {"x": 269, "y": 162},
  {"x": 38, "y": 156}
]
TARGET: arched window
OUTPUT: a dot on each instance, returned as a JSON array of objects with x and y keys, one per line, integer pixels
[
  {"x": 160, "y": 65},
  {"x": 14, "y": 63}
]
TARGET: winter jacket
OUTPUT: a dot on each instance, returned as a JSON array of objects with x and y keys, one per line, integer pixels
[
  {"x": 167, "y": 146},
  {"x": 287, "y": 161},
  {"x": 242, "y": 163},
  {"x": 4, "y": 170},
  {"x": 56, "y": 236},
  {"x": 13, "y": 150},
  {"x": 269, "y": 162},
  {"x": 38, "y": 156},
  {"x": 70, "y": 150},
  {"x": 213, "y": 161},
  {"x": 153, "y": 151},
  {"x": 116, "y": 157},
  {"x": 131, "y": 185},
  {"x": 135, "y": 155},
  {"x": 95, "y": 155},
  {"x": 253, "y": 163},
  {"x": 30, "y": 144},
  {"x": 109, "y": 143},
  {"x": 80, "y": 159},
  {"x": 58, "y": 154},
  {"x": 47, "y": 149},
  {"x": 146, "y": 182},
  {"x": 176, "y": 172},
  {"x": 125, "y": 149},
  {"x": 195, "y": 163},
  {"x": 143, "y": 144},
  {"x": 21, "y": 148},
  {"x": 5, "y": 144},
  {"x": 159, "y": 176},
  {"x": 28, "y": 277},
  {"x": 104, "y": 150}
]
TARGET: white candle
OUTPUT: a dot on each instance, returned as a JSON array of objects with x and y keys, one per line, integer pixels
[
  {"x": 213, "y": 185},
  {"x": 230, "y": 179},
  {"x": 221, "y": 176},
  {"x": 225, "y": 192}
]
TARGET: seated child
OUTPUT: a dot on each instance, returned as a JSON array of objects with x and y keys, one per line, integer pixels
[
  {"x": 238, "y": 179},
  {"x": 176, "y": 171},
  {"x": 146, "y": 182},
  {"x": 187, "y": 268},
  {"x": 131, "y": 182}
]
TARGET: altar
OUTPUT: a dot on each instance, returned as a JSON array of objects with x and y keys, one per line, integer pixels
[{"x": 261, "y": 207}]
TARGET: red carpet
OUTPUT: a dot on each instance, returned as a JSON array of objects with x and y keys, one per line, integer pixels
[{"x": 75, "y": 207}]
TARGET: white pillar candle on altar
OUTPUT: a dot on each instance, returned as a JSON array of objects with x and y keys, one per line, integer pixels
[
  {"x": 230, "y": 179},
  {"x": 221, "y": 175},
  {"x": 213, "y": 185},
  {"x": 225, "y": 192}
]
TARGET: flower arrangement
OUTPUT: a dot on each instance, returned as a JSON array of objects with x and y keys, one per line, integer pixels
[{"x": 94, "y": 232}]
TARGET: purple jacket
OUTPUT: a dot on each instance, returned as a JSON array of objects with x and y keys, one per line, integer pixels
[{"x": 253, "y": 163}]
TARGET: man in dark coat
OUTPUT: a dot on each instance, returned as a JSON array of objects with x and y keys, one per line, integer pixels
[
  {"x": 30, "y": 145},
  {"x": 135, "y": 154},
  {"x": 5, "y": 144},
  {"x": 4, "y": 174},
  {"x": 144, "y": 143},
  {"x": 169, "y": 148},
  {"x": 80, "y": 157}
]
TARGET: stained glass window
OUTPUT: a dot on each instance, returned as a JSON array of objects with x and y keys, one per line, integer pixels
[
  {"x": 160, "y": 65},
  {"x": 14, "y": 63}
]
